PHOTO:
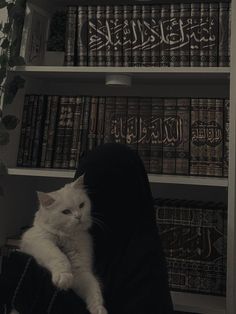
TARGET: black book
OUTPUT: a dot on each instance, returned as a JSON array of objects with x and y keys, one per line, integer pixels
[
  {"x": 109, "y": 49},
  {"x": 71, "y": 25},
  {"x": 101, "y": 120},
  {"x": 213, "y": 34},
  {"x": 118, "y": 35},
  {"x": 226, "y": 138},
  {"x": 165, "y": 41},
  {"x": 195, "y": 35},
  {"x": 174, "y": 35},
  {"x": 101, "y": 35},
  {"x": 85, "y": 128},
  {"x": 120, "y": 122},
  {"x": 92, "y": 127},
  {"x": 146, "y": 35},
  {"x": 127, "y": 36},
  {"x": 156, "y": 34},
  {"x": 82, "y": 30},
  {"x": 136, "y": 36},
  {"x": 45, "y": 130},
  {"x": 132, "y": 131},
  {"x": 224, "y": 39},
  {"x": 194, "y": 137},
  {"x": 110, "y": 115},
  {"x": 92, "y": 36},
  {"x": 185, "y": 26},
  {"x": 204, "y": 38}
]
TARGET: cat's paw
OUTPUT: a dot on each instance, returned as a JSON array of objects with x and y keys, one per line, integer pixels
[
  {"x": 63, "y": 281},
  {"x": 99, "y": 310}
]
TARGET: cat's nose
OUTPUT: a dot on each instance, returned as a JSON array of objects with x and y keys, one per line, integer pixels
[{"x": 78, "y": 216}]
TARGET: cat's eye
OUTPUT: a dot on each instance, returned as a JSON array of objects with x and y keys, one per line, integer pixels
[
  {"x": 81, "y": 205},
  {"x": 66, "y": 211}
]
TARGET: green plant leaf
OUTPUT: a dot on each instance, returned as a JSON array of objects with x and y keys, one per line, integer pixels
[
  {"x": 4, "y": 137},
  {"x": 3, "y": 169},
  {"x": 5, "y": 43},
  {"x": 10, "y": 122}
]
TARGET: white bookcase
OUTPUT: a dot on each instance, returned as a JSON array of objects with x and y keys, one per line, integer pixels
[{"x": 19, "y": 204}]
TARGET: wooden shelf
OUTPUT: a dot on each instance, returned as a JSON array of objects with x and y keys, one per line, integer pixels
[
  {"x": 153, "y": 178},
  {"x": 198, "y": 303},
  {"x": 137, "y": 74}
]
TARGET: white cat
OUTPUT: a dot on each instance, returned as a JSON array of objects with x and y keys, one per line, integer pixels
[{"x": 59, "y": 240}]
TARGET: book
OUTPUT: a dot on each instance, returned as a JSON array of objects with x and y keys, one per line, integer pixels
[
  {"x": 77, "y": 122},
  {"x": 136, "y": 36},
  {"x": 109, "y": 123},
  {"x": 194, "y": 137},
  {"x": 182, "y": 153},
  {"x": 120, "y": 121},
  {"x": 213, "y": 34},
  {"x": 170, "y": 135},
  {"x": 132, "y": 129},
  {"x": 174, "y": 35},
  {"x": 155, "y": 34},
  {"x": 80, "y": 131},
  {"x": 127, "y": 36},
  {"x": 204, "y": 38},
  {"x": 185, "y": 31},
  {"x": 144, "y": 139},
  {"x": 156, "y": 135},
  {"x": 194, "y": 35},
  {"x": 48, "y": 100},
  {"x": 118, "y": 35},
  {"x": 85, "y": 128},
  {"x": 202, "y": 136},
  {"x": 82, "y": 30},
  {"x": 92, "y": 36},
  {"x": 101, "y": 35},
  {"x": 71, "y": 25},
  {"x": 145, "y": 35},
  {"x": 92, "y": 126},
  {"x": 226, "y": 138},
  {"x": 165, "y": 40},
  {"x": 109, "y": 49},
  {"x": 224, "y": 40},
  {"x": 219, "y": 138},
  {"x": 101, "y": 120}
]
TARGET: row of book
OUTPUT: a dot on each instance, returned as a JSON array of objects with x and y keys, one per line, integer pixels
[
  {"x": 162, "y": 35},
  {"x": 172, "y": 135},
  {"x": 194, "y": 238}
]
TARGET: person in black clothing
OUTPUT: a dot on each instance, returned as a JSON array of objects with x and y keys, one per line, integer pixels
[{"x": 128, "y": 256}]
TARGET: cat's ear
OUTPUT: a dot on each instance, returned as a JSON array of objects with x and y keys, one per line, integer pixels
[
  {"x": 45, "y": 199},
  {"x": 78, "y": 183}
]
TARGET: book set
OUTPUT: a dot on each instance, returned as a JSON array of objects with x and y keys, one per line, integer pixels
[
  {"x": 185, "y": 136},
  {"x": 163, "y": 35}
]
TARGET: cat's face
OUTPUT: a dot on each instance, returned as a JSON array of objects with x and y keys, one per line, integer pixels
[{"x": 66, "y": 209}]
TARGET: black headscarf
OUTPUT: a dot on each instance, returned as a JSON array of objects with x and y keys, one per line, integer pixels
[{"x": 128, "y": 257}]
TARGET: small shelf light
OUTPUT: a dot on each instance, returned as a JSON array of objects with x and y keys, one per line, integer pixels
[{"x": 118, "y": 80}]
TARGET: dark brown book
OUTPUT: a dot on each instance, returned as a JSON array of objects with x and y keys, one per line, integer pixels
[
  {"x": 195, "y": 32},
  {"x": 92, "y": 127},
  {"x": 110, "y": 115},
  {"x": 109, "y": 53},
  {"x": 145, "y": 35},
  {"x": 144, "y": 139},
  {"x": 127, "y": 35},
  {"x": 132, "y": 131},
  {"x": 155, "y": 32},
  {"x": 156, "y": 135},
  {"x": 224, "y": 38},
  {"x": 165, "y": 39},
  {"x": 226, "y": 138},
  {"x": 82, "y": 30},
  {"x": 101, "y": 120},
  {"x": 202, "y": 136},
  {"x": 118, "y": 35},
  {"x": 213, "y": 34},
  {"x": 120, "y": 122},
  {"x": 136, "y": 36},
  {"x": 84, "y": 106},
  {"x": 32, "y": 131},
  {"x": 70, "y": 41},
  {"x": 185, "y": 26},
  {"x": 92, "y": 36},
  {"x": 204, "y": 34},
  {"x": 170, "y": 135},
  {"x": 77, "y": 121},
  {"x": 182, "y": 143},
  {"x": 45, "y": 130},
  {"x": 194, "y": 137},
  {"x": 174, "y": 35},
  {"x": 85, "y": 127},
  {"x": 101, "y": 35}
]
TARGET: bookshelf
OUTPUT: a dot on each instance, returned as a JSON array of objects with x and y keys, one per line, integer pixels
[{"x": 146, "y": 81}]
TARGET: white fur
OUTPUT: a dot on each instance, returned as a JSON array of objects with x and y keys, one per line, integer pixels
[{"x": 62, "y": 244}]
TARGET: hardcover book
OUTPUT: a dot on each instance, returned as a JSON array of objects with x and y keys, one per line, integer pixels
[
  {"x": 118, "y": 35},
  {"x": 101, "y": 35},
  {"x": 145, "y": 35},
  {"x": 101, "y": 120},
  {"x": 127, "y": 36},
  {"x": 136, "y": 36},
  {"x": 226, "y": 138},
  {"x": 48, "y": 100},
  {"x": 195, "y": 33},
  {"x": 204, "y": 38},
  {"x": 92, "y": 127},
  {"x": 213, "y": 34},
  {"x": 194, "y": 137},
  {"x": 120, "y": 121},
  {"x": 155, "y": 34},
  {"x": 174, "y": 35},
  {"x": 71, "y": 26},
  {"x": 203, "y": 124},
  {"x": 109, "y": 49},
  {"x": 224, "y": 30},
  {"x": 110, "y": 116},
  {"x": 85, "y": 128},
  {"x": 185, "y": 31},
  {"x": 132, "y": 131},
  {"x": 92, "y": 36},
  {"x": 82, "y": 30},
  {"x": 165, "y": 39}
]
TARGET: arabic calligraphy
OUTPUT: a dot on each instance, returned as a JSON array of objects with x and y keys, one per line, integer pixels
[
  {"x": 148, "y": 34},
  {"x": 206, "y": 133}
]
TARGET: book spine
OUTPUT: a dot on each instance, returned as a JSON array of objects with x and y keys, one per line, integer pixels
[
  {"x": 211, "y": 118},
  {"x": 75, "y": 131},
  {"x": 132, "y": 128},
  {"x": 60, "y": 133},
  {"x": 156, "y": 136},
  {"x": 127, "y": 36},
  {"x": 194, "y": 137},
  {"x": 37, "y": 143},
  {"x": 82, "y": 45},
  {"x": 118, "y": 34},
  {"x": 45, "y": 131},
  {"x": 32, "y": 131},
  {"x": 226, "y": 138},
  {"x": 213, "y": 34},
  {"x": 185, "y": 29},
  {"x": 28, "y": 131},
  {"x": 68, "y": 132},
  {"x": 109, "y": 49},
  {"x": 182, "y": 145},
  {"x": 101, "y": 35},
  {"x": 174, "y": 35},
  {"x": 71, "y": 22},
  {"x": 224, "y": 38},
  {"x": 110, "y": 116},
  {"x": 120, "y": 123},
  {"x": 136, "y": 36},
  {"x": 92, "y": 36},
  {"x": 169, "y": 136},
  {"x": 195, "y": 35},
  {"x": 144, "y": 145},
  {"x": 23, "y": 131},
  {"x": 85, "y": 127},
  {"x": 92, "y": 123},
  {"x": 204, "y": 37},
  {"x": 202, "y": 136},
  {"x": 219, "y": 138},
  {"x": 101, "y": 120},
  {"x": 229, "y": 41},
  {"x": 156, "y": 34},
  {"x": 146, "y": 35},
  {"x": 51, "y": 134},
  {"x": 80, "y": 131},
  {"x": 165, "y": 42}
]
